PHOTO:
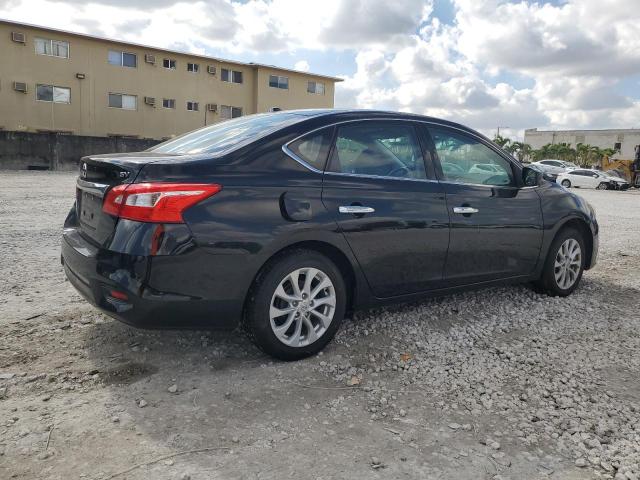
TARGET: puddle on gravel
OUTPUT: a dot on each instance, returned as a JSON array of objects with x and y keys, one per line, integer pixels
[{"x": 127, "y": 373}]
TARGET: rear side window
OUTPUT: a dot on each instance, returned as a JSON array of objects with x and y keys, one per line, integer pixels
[
  {"x": 313, "y": 148},
  {"x": 384, "y": 149}
]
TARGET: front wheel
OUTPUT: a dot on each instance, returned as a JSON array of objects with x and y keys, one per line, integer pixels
[
  {"x": 296, "y": 305},
  {"x": 564, "y": 266},
  {"x": 602, "y": 186},
  {"x": 566, "y": 183}
]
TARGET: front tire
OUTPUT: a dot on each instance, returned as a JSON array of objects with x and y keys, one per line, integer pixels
[
  {"x": 296, "y": 305},
  {"x": 602, "y": 186},
  {"x": 566, "y": 183},
  {"x": 564, "y": 265}
]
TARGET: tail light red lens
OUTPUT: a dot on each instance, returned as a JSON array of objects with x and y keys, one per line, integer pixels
[{"x": 156, "y": 202}]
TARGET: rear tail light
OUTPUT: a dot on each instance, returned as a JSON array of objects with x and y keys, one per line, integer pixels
[{"x": 156, "y": 202}]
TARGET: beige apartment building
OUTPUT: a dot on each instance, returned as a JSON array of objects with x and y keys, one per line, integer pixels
[{"x": 57, "y": 81}]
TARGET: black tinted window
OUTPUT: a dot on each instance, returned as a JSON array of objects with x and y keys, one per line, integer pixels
[
  {"x": 464, "y": 159},
  {"x": 226, "y": 136},
  {"x": 314, "y": 148},
  {"x": 385, "y": 149}
]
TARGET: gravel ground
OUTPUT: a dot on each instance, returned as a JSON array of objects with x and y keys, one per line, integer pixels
[{"x": 500, "y": 383}]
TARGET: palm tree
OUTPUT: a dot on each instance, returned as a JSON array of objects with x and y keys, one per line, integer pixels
[
  {"x": 520, "y": 150},
  {"x": 584, "y": 154},
  {"x": 501, "y": 141}
]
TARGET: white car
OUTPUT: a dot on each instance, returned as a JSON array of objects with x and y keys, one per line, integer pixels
[
  {"x": 555, "y": 167},
  {"x": 616, "y": 182},
  {"x": 486, "y": 168},
  {"x": 583, "y": 178}
]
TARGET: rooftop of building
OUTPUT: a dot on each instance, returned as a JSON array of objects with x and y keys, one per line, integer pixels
[
  {"x": 178, "y": 52},
  {"x": 583, "y": 131}
]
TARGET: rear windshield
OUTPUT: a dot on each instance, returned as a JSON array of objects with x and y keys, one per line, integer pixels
[{"x": 226, "y": 136}]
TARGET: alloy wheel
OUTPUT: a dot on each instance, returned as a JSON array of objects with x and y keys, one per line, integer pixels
[
  {"x": 568, "y": 263},
  {"x": 302, "y": 307}
]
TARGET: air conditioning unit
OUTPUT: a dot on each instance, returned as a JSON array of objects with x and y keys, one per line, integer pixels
[
  {"x": 150, "y": 58},
  {"x": 18, "y": 37},
  {"x": 150, "y": 100},
  {"x": 212, "y": 107},
  {"x": 20, "y": 87},
  {"x": 211, "y": 69}
]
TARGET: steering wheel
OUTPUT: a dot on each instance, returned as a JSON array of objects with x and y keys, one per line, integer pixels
[{"x": 395, "y": 170}]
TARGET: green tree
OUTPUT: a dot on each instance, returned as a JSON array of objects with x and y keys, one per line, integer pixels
[
  {"x": 520, "y": 150},
  {"x": 501, "y": 141}
]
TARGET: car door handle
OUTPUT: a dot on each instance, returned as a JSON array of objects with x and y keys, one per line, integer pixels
[
  {"x": 465, "y": 210},
  {"x": 355, "y": 209}
]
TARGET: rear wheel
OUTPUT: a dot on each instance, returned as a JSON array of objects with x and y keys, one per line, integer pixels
[
  {"x": 296, "y": 305},
  {"x": 564, "y": 265},
  {"x": 602, "y": 186},
  {"x": 566, "y": 183}
]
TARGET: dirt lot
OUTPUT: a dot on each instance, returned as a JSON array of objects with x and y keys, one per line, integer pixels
[{"x": 499, "y": 383}]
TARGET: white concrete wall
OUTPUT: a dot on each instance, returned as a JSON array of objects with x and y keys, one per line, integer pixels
[{"x": 598, "y": 138}]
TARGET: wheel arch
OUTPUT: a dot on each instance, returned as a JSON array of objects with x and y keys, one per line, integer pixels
[
  {"x": 583, "y": 227},
  {"x": 333, "y": 253}
]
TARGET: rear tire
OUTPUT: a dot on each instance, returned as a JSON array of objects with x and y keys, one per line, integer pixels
[
  {"x": 602, "y": 186},
  {"x": 564, "y": 265},
  {"x": 292, "y": 323},
  {"x": 566, "y": 183}
]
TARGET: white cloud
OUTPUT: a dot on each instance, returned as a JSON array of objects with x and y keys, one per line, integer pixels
[{"x": 302, "y": 65}]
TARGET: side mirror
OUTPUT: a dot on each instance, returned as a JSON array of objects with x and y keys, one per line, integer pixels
[{"x": 531, "y": 176}]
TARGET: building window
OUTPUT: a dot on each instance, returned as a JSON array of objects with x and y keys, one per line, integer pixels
[
  {"x": 123, "y": 59},
  {"x": 193, "y": 67},
  {"x": 126, "y": 102},
  {"x": 51, "y": 93},
  {"x": 192, "y": 106},
  {"x": 169, "y": 63},
  {"x": 277, "y": 81},
  {"x": 315, "y": 87},
  {"x": 227, "y": 112},
  {"x": 53, "y": 48},
  {"x": 169, "y": 103},
  {"x": 232, "y": 76},
  {"x": 275, "y": 109}
]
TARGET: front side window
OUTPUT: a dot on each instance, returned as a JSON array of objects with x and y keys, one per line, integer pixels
[
  {"x": 227, "y": 111},
  {"x": 313, "y": 148},
  {"x": 53, "y": 48},
  {"x": 277, "y": 81},
  {"x": 386, "y": 149},
  {"x": 193, "y": 67},
  {"x": 315, "y": 87},
  {"x": 51, "y": 93},
  {"x": 169, "y": 102},
  {"x": 126, "y": 102},
  {"x": 122, "y": 59},
  {"x": 231, "y": 76},
  {"x": 192, "y": 106},
  {"x": 169, "y": 63},
  {"x": 464, "y": 159}
]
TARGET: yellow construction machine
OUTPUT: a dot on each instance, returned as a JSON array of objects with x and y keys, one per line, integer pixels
[{"x": 629, "y": 168}]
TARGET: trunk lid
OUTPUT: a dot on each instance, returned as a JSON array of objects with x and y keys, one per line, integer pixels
[{"x": 98, "y": 173}]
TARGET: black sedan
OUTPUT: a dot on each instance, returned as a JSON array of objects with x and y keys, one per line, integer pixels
[{"x": 285, "y": 222}]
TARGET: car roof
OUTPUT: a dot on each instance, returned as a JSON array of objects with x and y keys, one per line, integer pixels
[{"x": 331, "y": 115}]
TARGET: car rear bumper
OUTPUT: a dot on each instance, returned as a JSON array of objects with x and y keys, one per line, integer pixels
[{"x": 150, "y": 292}]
